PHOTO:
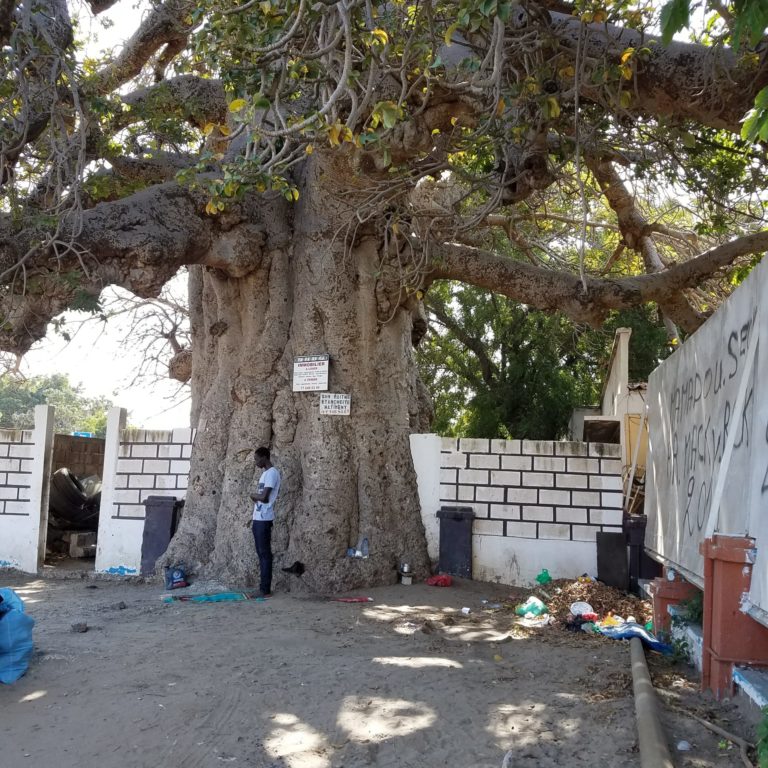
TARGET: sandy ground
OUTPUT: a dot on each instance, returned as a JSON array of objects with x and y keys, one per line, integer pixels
[{"x": 298, "y": 682}]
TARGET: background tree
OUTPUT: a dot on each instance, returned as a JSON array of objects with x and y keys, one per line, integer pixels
[
  {"x": 502, "y": 370},
  {"x": 319, "y": 166},
  {"x": 74, "y": 411}
]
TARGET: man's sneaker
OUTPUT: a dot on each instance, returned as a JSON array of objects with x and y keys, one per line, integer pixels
[{"x": 263, "y": 594}]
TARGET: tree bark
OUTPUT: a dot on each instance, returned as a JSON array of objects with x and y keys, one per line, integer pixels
[{"x": 343, "y": 477}]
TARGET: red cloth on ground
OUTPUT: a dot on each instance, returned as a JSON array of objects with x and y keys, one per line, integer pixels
[{"x": 440, "y": 581}]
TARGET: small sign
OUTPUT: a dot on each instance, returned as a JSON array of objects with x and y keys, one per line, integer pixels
[
  {"x": 82, "y": 434},
  {"x": 335, "y": 404},
  {"x": 310, "y": 373}
]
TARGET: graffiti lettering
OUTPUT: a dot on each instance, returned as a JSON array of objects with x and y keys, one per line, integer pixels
[{"x": 701, "y": 415}]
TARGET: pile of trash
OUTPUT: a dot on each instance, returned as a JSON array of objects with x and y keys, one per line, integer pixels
[{"x": 589, "y": 606}]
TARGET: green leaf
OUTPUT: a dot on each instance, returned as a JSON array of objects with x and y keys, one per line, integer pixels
[
  {"x": 688, "y": 139},
  {"x": 675, "y": 15}
]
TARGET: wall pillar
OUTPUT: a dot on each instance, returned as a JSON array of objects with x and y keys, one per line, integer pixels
[
  {"x": 40, "y": 483},
  {"x": 110, "y": 544}
]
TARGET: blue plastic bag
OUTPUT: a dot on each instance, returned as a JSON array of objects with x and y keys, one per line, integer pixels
[{"x": 15, "y": 637}]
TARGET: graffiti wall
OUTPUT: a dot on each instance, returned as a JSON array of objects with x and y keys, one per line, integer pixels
[{"x": 708, "y": 424}]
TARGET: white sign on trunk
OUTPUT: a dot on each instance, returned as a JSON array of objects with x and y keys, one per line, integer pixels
[
  {"x": 708, "y": 426},
  {"x": 310, "y": 373},
  {"x": 335, "y": 404}
]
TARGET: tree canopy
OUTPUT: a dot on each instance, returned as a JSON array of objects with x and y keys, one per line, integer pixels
[
  {"x": 75, "y": 412},
  {"x": 467, "y": 130},
  {"x": 498, "y": 369}
]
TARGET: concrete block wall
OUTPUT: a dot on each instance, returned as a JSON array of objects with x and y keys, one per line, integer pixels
[
  {"x": 138, "y": 463},
  {"x": 150, "y": 463},
  {"x": 564, "y": 491},
  {"x": 16, "y": 448},
  {"x": 24, "y": 467},
  {"x": 538, "y": 504}
]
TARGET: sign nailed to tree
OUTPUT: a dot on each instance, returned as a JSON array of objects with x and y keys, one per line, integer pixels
[
  {"x": 310, "y": 373},
  {"x": 335, "y": 404}
]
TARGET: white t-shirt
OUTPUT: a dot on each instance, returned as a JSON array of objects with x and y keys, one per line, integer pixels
[{"x": 265, "y": 510}]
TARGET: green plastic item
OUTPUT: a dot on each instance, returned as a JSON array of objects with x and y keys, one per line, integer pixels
[
  {"x": 531, "y": 607},
  {"x": 649, "y": 626},
  {"x": 544, "y": 577}
]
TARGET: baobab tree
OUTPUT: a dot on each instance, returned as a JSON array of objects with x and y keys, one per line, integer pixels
[{"x": 318, "y": 165}]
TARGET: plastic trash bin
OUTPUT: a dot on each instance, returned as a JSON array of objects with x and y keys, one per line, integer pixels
[
  {"x": 456, "y": 541},
  {"x": 161, "y": 519}
]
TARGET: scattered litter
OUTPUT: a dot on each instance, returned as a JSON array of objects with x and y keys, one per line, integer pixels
[
  {"x": 531, "y": 621},
  {"x": 626, "y": 631},
  {"x": 683, "y": 746},
  {"x": 351, "y": 599},
  {"x": 603, "y": 599},
  {"x": 491, "y": 606},
  {"x": 441, "y": 580},
  {"x": 214, "y": 597},
  {"x": 80, "y": 626},
  {"x": 361, "y": 550},
  {"x": 544, "y": 577},
  {"x": 579, "y": 608},
  {"x": 531, "y": 607},
  {"x": 297, "y": 569},
  {"x": 466, "y": 611},
  {"x": 175, "y": 576}
]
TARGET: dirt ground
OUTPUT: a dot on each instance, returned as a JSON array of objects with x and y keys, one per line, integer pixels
[{"x": 301, "y": 682}]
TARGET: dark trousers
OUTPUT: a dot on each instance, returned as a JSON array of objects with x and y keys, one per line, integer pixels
[{"x": 262, "y": 536}]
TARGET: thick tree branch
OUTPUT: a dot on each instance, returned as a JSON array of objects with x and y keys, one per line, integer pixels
[
  {"x": 636, "y": 231},
  {"x": 165, "y": 24},
  {"x": 553, "y": 290},
  {"x": 138, "y": 243},
  {"x": 681, "y": 80},
  {"x": 195, "y": 99}
]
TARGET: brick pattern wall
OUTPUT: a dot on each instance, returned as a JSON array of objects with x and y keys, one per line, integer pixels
[
  {"x": 15, "y": 471},
  {"x": 83, "y": 456},
  {"x": 151, "y": 463},
  {"x": 534, "y": 489}
]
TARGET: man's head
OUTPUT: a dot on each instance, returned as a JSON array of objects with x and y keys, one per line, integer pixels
[{"x": 262, "y": 457}]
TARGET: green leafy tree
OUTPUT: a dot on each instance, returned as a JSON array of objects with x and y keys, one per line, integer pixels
[
  {"x": 74, "y": 411},
  {"x": 499, "y": 369}
]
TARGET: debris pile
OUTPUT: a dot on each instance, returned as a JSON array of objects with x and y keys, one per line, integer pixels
[{"x": 562, "y": 593}]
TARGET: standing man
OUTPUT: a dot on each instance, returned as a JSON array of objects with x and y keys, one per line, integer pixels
[{"x": 263, "y": 515}]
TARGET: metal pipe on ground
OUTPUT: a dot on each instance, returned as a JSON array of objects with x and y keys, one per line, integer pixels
[{"x": 654, "y": 751}]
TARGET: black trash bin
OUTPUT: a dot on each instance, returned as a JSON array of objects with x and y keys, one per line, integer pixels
[
  {"x": 161, "y": 519},
  {"x": 456, "y": 541},
  {"x": 640, "y": 565}
]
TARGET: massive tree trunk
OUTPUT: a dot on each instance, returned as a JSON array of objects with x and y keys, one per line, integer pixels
[{"x": 301, "y": 287}]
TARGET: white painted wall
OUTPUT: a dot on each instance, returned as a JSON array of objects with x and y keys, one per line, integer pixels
[
  {"x": 509, "y": 560},
  {"x": 25, "y": 457},
  {"x": 118, "y": 547},
  {"x": 425, "y": 450},
  {"x": 538, "y": 504},
  {"x": 138, "y": 464}
]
